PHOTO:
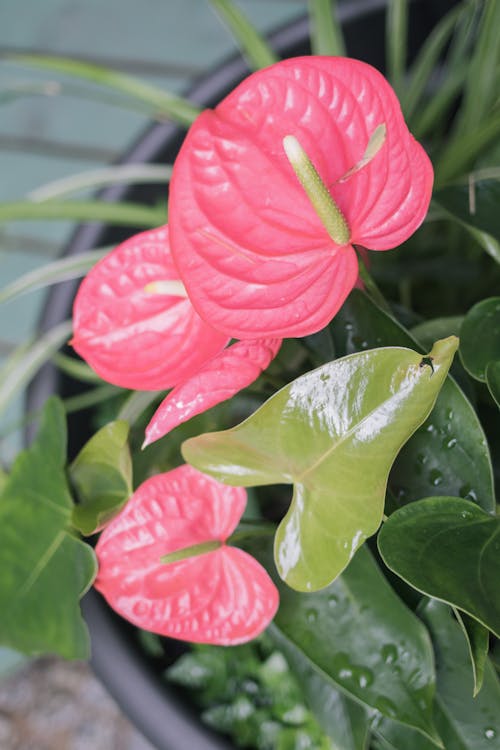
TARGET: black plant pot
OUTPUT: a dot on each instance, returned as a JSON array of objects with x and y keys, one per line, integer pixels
[{"x": 167, "y": 720}]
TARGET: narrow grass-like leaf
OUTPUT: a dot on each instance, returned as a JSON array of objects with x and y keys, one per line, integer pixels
[
  {"x": 426, "y": 62},
  {"x": 326, "y": 32},
  {"x": 473, "y": 202},
  {"x": 334, "y": 434},
  {"x": 121, "y": 174},
  {"x": 449, "y": 549},
  {"x": 460, "y": 153},
  {"x": 22, "y": 366},
  {"x": 75, "y": 368},
  {"x": 122, "y": 214},
  {"x": 71, "y": 267},
  {"x": 396, "y": 40},
  {"x": 251, "y": 43},
  {"x": 37, "y": 549},
  {"x": 167, "y": 104}
]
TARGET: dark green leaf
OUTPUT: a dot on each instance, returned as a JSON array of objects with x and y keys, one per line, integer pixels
[
  {"x": 480, "y": 337},
  {"x": 449, "y": 549},
  {"x": 475, "y": 204},
  {"x": 448, "y": 455},
  {"x": 102, "y": 477},
  {"x": 464, "y": 722},
  {"x": 477, "y": 637},
  {"x": 344, "y": 721},
  {"x": 493, "y": 380},
  {"x": 358, "y": 634},
  {"x": 333, "y": 433},
  {"x": 45, "y": 570}
]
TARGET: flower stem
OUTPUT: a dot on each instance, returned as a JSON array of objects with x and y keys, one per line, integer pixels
[{"x": 371, "y": 287}]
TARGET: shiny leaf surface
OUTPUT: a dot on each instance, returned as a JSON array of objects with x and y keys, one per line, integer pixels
[
  {"x": 477, "y": 637},
  {"x": 480, "y": 337},
  {"x": 227, "y": 373},
  {"x": 343, "y": 720},
  {"x": 358, "y": 634},
  {"x": 449, "y": 549},
  {"x": 102, "y": 477},
  {"x": 448, "y": 455},
  {"x": 253, "y": 253},
  {"x": 136, "y": 338},
  {"x": 493, "y": 380},
  {"x": 223, "y": 596},
  {"x": 38, "y": 549},
  {"x": 332, "y": 433},
  {"x": 464, "y": 722}
]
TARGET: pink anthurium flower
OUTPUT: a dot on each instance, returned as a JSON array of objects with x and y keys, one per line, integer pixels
[
  {"x": 272, "y": 189},
  {"x": 220, "y": 378},
  {"x": 211, "y": 592},
  {"x": 133, "y": 322}
]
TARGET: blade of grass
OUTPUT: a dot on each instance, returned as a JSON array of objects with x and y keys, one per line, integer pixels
[
  {"x": 482, "y": 83},
  {"x": 123, "y": 214},
  {"x": 437, "y": 109},
  {"x": 52, "y": 273},
  {"x": 136, "y": 404},
  {"x": 92, "y": 397},
  {"x": 76, "y": 369},
  {"x": 461, "y": 152},
  {"x": 326, "y": 32},
  {"x": 121, "y": 174},
  {"x": 396, "y": 40},
  {"x": 427, "y": 60},
  {"x": 167, "y": 104},
  {"x": 22, "y": 365},
  {"x": 251, "y": 43}
]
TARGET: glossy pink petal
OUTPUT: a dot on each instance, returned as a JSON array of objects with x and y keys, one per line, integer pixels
[
  {"x": 250, "y": 248},
  {"x": 227, "y": 373},
  {"x": 223, "y": 596},
  {"x": 131, "y": 337}
]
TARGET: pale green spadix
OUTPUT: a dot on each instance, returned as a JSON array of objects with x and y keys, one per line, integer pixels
[
  {"x": 325, "y": 207},
  {"x": 333, "y": 434}
]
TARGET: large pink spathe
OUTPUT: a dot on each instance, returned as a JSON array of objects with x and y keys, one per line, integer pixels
[
  {"x": 250, "y": 249},
  {"x": 135, "y": 338},
  {"x": 224, "y": 596}
]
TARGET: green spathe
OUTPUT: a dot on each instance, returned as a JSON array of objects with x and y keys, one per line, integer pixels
[
  {"x": 334, "y": 434},
  {"x": 44, "y": 568}
]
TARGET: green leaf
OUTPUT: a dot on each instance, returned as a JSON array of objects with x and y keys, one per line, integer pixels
[
  {"x": 477, "y": 638},
  {"x": 345, "y": 721},
  {"x": 461, "y": 152},
  {"x": 166, "y": 104},
  {"x": 396, "y": 37},
  {"x": 333, "y": 433},
  {"x": 464, "y": 722},
  {"x": 252, "y": 44},
  {"x": 326, "y": 31},
  {"x": 122, "y": 214},
  {"x": 480, "y": 337},
  {"x": 448, "y": 455},
  {"x": 64, "y": 269},
  {"x": 426, "y": 61},
  {"x": 493, "y": 380},
  {"x": 24, "y": 362},
  {"x": 102, "y": 477},
  {"x": 474, "y": 203},
  {"x": 447, "y": 548},
  {"x": 358, "y": 635},
  {"x": 45, "y": 570},
  {"x": 438, "y": 328}
]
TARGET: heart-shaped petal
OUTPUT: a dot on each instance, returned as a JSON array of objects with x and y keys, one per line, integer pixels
[
  {"x": 223, "y": 596},
  {"x": 251, "y": 250},
  {"x": 133, "y": 337},
  {"x": 227, "y": 373}
]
